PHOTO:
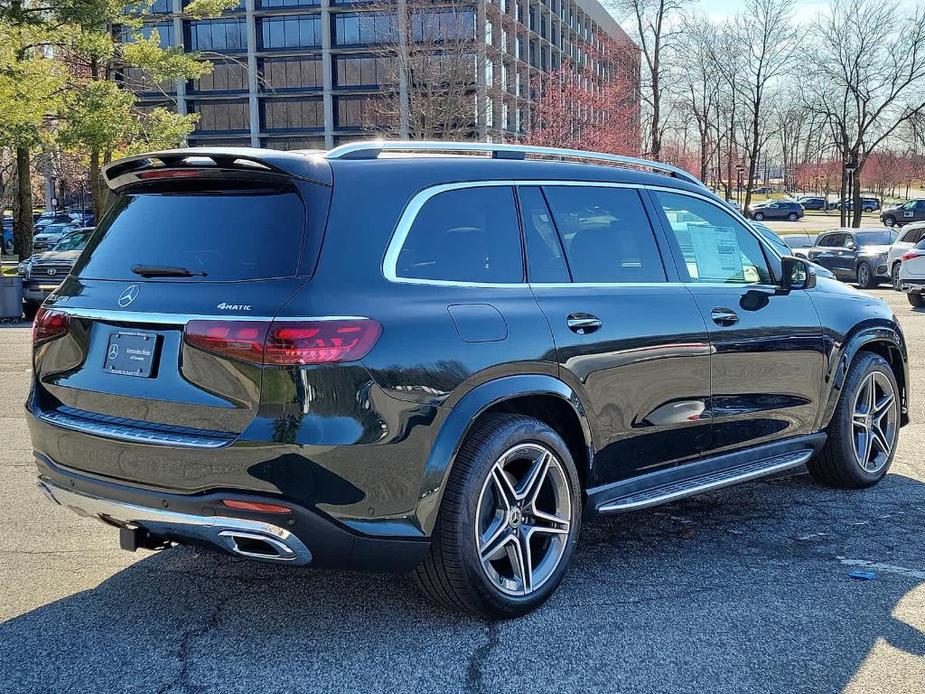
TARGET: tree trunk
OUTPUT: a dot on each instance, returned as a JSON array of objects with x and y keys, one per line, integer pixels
[
  {"x": 856, "y": 210},
  {"x": 22, "y": 205},
  {"x": 96, "y": 189},
  {"x": 842, "y": 194}
]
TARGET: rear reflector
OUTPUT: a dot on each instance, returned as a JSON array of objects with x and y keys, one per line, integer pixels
[
  {"x": 255, "y": 506},
  {"x": 49, "y": 325},
  {"x": 286, "y": 343}
]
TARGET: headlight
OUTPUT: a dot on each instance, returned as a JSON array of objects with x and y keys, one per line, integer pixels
[{"x": 24, "y": 268}]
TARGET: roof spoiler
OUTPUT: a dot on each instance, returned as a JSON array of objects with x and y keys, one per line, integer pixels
[{"x": 176, "y": 164}]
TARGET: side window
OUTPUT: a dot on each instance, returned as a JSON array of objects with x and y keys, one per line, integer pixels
[
  {"x": 915, "y": 236},
  {"x": 465, "y": 235},
  {"x": 606, "y": 234},
  {"x": 848, "y": 242},
  {"x": 716, "y": 248},
  {"x": 545, "y": 260},
  {"x": 823, "y": 241},
  {"x": 834, "y": 241}
]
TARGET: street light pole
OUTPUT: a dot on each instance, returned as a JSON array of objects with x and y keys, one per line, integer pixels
[
  {"x": 850, "y": 168},
  {"x": 739, "y": 170}
]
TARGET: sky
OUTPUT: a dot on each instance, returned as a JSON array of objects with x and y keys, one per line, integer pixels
[{"x": 805, "y": 10}]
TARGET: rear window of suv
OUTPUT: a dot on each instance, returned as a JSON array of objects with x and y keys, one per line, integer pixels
[{"x": 218, "y": 235}]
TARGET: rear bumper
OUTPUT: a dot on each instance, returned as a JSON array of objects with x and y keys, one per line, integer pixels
[
  {"x": 298, "y": 538},
  {"x": 247, "y": 537},
  {"x": 912, "y": 286}
]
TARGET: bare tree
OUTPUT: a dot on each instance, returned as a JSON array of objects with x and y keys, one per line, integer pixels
[
  {"x": 866, "y": 83},
  {"x": 656, "y": 27},
  {"x": 766, "y": 42},
  {"x": 427, "y": 62},
  {"x": 702, "y": 86}
]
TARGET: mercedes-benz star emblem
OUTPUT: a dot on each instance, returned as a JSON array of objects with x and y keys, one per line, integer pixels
[{"x": 129, "y": 295}]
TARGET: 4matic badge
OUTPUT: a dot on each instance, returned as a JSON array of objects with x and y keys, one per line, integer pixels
[{"x": 234, "y": 307}]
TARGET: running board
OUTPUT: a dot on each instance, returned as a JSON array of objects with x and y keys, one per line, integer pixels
[{"x": 682, "y": 481}]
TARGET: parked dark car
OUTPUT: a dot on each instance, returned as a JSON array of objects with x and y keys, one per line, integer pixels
[
  {"x": 867, "y": 204},
  {"x": 813, "y": 203},
  {"x": 46, "y": 218},
  {"x": 450, "y": 376},
  {"x": 904, "y": 213},
  {"x": 776, "y": 209},
  {"x": 782, "y": 244},
  {"x": 44, "y": 272},
  {"x": 855, "y": 255}
]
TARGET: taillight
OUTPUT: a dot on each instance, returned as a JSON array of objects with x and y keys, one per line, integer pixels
[
  {"x": 242, "y": 340},
  {"x": 49, "y": 325},
  {"x": 286, "y": 343},
  {"x": 910, "y": 255}
]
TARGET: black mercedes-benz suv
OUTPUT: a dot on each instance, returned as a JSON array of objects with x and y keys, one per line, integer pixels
[{"x": 369, "y": 358}]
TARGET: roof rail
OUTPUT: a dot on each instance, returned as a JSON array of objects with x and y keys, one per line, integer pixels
[{"x": 373, "y": 148}]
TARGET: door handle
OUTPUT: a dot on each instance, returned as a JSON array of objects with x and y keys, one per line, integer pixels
[
  {"x": 724, "y": 316},
  {"x": 582, "y": 323}
]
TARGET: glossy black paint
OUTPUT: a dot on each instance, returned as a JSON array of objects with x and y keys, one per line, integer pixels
[{"x": 368, "y": 447}]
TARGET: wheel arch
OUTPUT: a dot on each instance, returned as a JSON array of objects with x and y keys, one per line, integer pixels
[
  {"x": 537, "y": 395},
  {"x": 883, "y": 339}
]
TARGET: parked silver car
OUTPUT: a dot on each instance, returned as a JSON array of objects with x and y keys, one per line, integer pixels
[{"x": 905, "y": 242}]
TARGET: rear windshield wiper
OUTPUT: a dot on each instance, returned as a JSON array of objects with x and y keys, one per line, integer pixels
[{"x": 165, "y": 271}]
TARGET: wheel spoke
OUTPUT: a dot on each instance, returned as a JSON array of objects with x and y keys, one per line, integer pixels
[
  {"x": 865, "y": 449},
  {"x": 504, "y": 490},
  {"x": 870, "y": 394},
  {"x": 884, "y": 405},
  {"x": 532, "y": 530},
  {"x": 877, "y": 435},
  {"x": 502, "y": 537},
  {"x": 519, "y": 555},
  {"x": 536, "y": 476}
]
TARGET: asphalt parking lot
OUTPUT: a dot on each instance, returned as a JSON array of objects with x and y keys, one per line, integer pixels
[{"x": 742, "y": 590}]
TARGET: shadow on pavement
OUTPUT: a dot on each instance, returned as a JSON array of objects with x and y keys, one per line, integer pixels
[{"x": 742, "y": 590}]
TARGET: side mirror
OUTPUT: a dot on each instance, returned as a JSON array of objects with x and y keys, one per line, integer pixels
[{"x": 797, "y": 273}]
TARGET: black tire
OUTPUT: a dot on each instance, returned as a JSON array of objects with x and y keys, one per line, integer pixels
[
  {"x": 894, "y": 276},
  {"x": 452, "y": 574},
  {"x": 837, "y": 465},
  {"x": 916, "y": 299},
  {"x": 29, "y": 310},
  {"x": 758, "y": 216},
  {"x": 889, "y": 220},
  {"x": 865, "y": 276},
  {"x": 792, "y": 217}
]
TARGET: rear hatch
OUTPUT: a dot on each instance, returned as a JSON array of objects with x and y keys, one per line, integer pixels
[{"x": 124, "y": 358}]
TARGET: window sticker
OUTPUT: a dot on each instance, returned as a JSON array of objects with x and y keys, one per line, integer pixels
[{"x": 717, "y": 252}]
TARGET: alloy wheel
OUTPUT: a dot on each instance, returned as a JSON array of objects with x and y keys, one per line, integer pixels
[
  {"x": 874, "y": 421},
  {"x": 863, "y": 275},
  {"x": 523, "y": 518}
]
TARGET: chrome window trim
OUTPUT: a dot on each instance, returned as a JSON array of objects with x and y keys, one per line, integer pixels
[{"x": 413, "y": 208}]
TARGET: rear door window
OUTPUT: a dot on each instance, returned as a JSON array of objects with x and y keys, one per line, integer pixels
[
  {"x": 219, "y": 235},
  {"x": 606, "y": 234},
  {"x": 464, "y": 235}
]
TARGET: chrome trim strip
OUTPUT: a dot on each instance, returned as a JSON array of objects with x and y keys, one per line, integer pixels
[
  {"x": 121, "y": 316},
  {"x": 355, "y": 150},
  {"x": 793, "y": 460},
  {"x": 410, "y": 213},
  {"x": 217, "y": 530},
  {"x": 124, "y": 432}
]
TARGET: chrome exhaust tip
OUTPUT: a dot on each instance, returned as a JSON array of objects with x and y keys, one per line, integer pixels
[{"x": 257, "y": 546}]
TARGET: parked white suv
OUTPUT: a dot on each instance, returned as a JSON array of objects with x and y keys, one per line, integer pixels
[
  {"x": 912, "y": 274},
  {"x": 906, "y": 240}
]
